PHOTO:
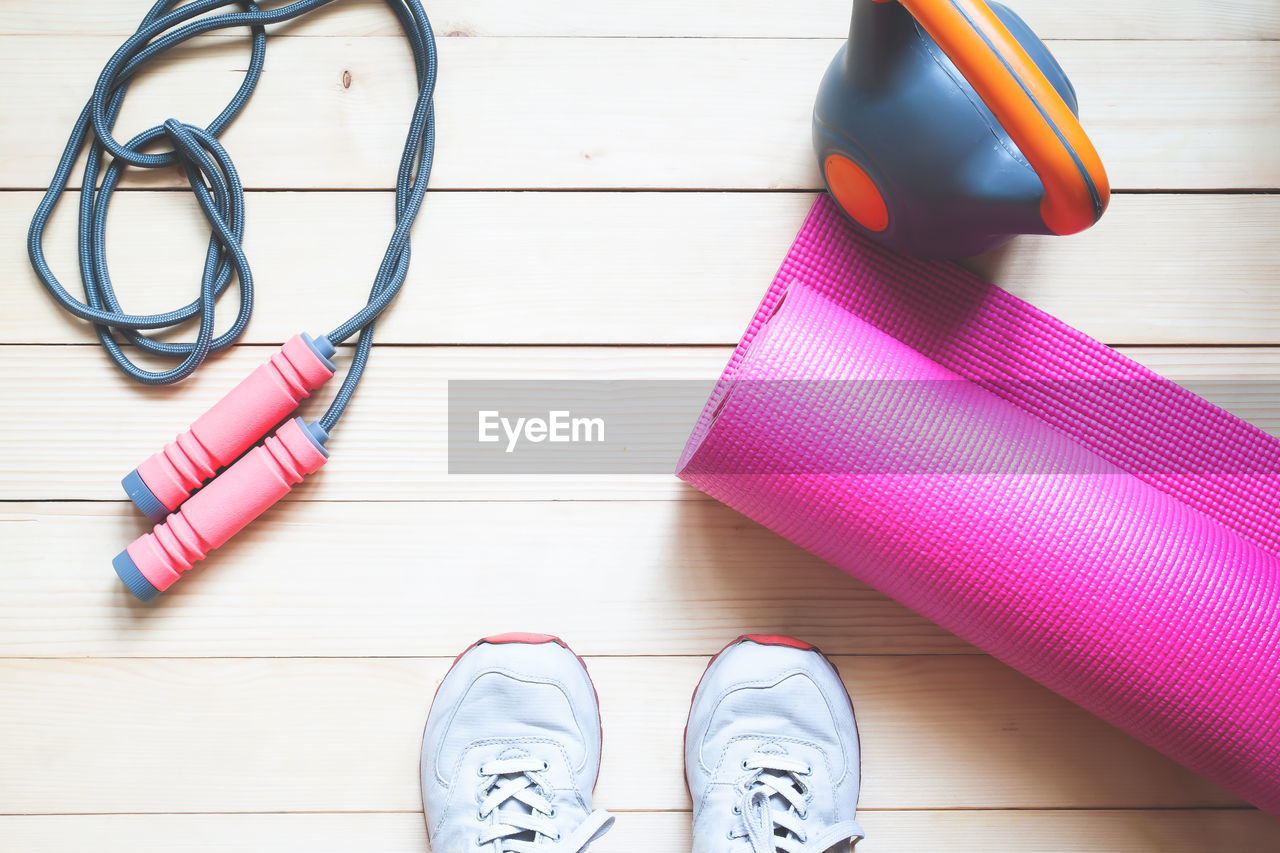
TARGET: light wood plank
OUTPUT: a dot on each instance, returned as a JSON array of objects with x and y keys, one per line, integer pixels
[
  {"x": 608, "y": 113},
  {"x": 1248, "y": 831},
  {"x": 1094, "y": 19},
  {"x": 392, "y": 443},
  {"x": 74, "y": 425},
  {"x": 947, "y": 730},
  {"x": 672, "y": 268},
  {"x": 190, "y": 735},
  {"x": 489, "y": 267},
  {"x": 621, "y": 578},
  {"x": 976, "y": 831}
]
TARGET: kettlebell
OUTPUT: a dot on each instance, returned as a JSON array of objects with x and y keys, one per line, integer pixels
[{"x": 945, "y": 127}]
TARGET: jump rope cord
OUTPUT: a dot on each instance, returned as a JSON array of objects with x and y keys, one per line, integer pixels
[{"x": 218, "y": 191}]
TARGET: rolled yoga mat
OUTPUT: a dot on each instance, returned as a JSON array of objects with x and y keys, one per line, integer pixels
[{"x": 1101, "y": 529}]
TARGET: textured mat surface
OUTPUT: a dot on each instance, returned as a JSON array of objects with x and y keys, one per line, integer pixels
[{"x": 1099, "y": 528}]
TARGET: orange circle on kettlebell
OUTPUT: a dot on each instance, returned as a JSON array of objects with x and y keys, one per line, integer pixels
[{"x": 856, "y": 193}]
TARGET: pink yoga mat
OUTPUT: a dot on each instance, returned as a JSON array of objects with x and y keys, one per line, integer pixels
[{"x": 1101, "y": 529}]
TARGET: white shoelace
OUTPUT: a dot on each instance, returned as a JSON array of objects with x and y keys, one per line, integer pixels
[
  {"x": 773, "y": 809},
  {"x": 513, "y": 789}
]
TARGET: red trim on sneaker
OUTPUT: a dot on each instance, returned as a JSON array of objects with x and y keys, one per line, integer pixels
[
  {"x": 521, "y": 637},
  {"x": 777, "y": 640}
]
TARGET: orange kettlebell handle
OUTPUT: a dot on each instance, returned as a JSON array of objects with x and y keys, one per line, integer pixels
[{"x": 1032, "y": 112}]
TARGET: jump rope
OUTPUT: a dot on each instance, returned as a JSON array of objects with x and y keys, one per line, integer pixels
[{"x": 197, "y": 502}]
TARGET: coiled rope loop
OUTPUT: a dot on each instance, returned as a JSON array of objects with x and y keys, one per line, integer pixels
[{"x": 218, "y": 191}]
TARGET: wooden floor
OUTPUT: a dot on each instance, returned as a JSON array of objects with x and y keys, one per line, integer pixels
[{"x": 615, "y": 184}]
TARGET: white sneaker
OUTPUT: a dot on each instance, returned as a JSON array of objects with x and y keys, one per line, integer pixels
[
  {"x": 771, "y": 752},
  {"x": 511, "y": 751}
]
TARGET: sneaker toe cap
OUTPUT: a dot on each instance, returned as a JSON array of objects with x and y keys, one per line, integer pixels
[
  {"x": 758, "y": 691},
  {"x": 512, "y": 691}
]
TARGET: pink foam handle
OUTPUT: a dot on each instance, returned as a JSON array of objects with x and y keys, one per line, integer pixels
[
  {"x": 1128, "y": 559},
  {"x": 236, "y": 422},
  {"x": 223, "y": 508}
]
